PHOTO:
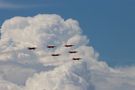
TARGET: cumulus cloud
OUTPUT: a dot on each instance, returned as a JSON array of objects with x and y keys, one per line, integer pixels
[{"x": 22, "y": 69}]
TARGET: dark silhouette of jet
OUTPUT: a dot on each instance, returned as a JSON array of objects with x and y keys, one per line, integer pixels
[
  {"x": 69, "y": 45},
  {"x": 31, "y": 48},
  {"x": 51, "y": 46},
  {"x": 76, "y": 59},
  {"x": 55, "y": 54},
  {"x": 72, "y": 52}
]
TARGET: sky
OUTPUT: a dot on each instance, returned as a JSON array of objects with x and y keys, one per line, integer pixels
[{"x": 108, "y": 23}]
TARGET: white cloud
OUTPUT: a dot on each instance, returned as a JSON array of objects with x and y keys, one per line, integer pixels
[{"x": 38, "y": 70}]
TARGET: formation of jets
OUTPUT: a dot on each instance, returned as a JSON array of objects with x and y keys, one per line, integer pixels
[{"x": 55, "y": 55}]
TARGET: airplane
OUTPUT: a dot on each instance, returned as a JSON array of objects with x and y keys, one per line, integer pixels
[
  {"x": 55, "y": 54},
  {"x": 69, "y": 45},
  {"x": 51, "y": 46},
  {"x": 72, "y": 52},
  {"x": 76, "y": 58},
  {"x": 31, "y": 48}
]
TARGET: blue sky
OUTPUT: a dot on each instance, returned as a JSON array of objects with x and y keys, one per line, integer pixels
[{"x": 110, "y": 24}]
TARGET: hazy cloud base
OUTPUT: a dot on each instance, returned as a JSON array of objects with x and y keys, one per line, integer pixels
[{"x": 21, "y": 69}]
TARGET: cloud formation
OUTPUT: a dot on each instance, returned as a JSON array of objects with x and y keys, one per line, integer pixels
[
  {"x": 9, "y": 5},
  {"x": 21, "y": 69}
]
